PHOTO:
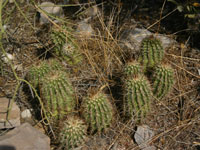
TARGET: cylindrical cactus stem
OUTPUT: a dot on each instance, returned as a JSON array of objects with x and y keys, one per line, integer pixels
[
  {"x": 73, "y": 133},
  {"x": 65, "y": 46},
  {"x": 137, "y": 98},
  {"x": 163, "y": 80},
  {"x": 57, "y": 94},
  {"x": 37, "y": 72},
  {"x": 132, "y": 69},
  {"x": 152, "y": 52},
  {"x": 98, "y": 112}
]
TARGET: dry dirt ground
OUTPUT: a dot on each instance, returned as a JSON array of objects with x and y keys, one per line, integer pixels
[{"x": 175, "y": 120}]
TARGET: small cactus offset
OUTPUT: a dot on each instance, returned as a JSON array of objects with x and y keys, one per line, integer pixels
[
  {"x": 152, "y": 52},
  {"x": 132, "y": 69},
  {"x": 73, "y": 133},
  {"x": 163, "y": 80},
  {"x": 137, "y": 97},
  {"x": 98, "y": 112},
  {"x": 65, "y": 47},
  {"x": 36, "y": 72},
  {"x": 57, "y": 94}
]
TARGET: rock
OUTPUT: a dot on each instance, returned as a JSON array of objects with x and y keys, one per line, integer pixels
[
  {"x": 91, "y": 11},
  {"x": 14, "y": 116},
  {"x": 132, "y": 38},
  {"x": 7, "y": 57},
  {"x": 84, "y": 29},
  {"x": 25, "y": 137},
  {"x": 142, "y": 136},
  {"x": 26, "y": 113},
  {"x": 51, "y": 9}
]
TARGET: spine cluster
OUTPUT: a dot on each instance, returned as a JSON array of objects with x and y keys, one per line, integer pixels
[{"x": 73, "y": 133}]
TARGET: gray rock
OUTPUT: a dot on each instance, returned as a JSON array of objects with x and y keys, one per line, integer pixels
[
  {"x": 49, "y": 9},
  {"x": 26, "y": 114},
  {"x": 25, "y": 137},
  {"x": 143, "y": 136},
  {"x": 84, "y": 29},
  {"x": 91, "y": 11},
  {"x": 132, "y": 38},
  {"x": 14, "y": 116}
]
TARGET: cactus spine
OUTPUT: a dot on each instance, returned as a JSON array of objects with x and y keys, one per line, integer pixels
[
  {"x": 132, "y": 69},
  {"x": 65, "y": 47},
  {"x": 137, "y": 97},
  {"x": 73, "y": 133},
  {"x": 152, "y": 52},
  {"x": 57, "y": 94},
  {"x": 163, "y": 80},
  {"x": 98, "y": 112}
]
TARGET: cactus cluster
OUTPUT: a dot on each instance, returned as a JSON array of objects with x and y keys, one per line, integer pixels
[
  {"x": 57, "y": 94},
  {"x": 73, "y": 133},
  {"x": 98, "y": 112},
  {"x": 137, "y": 97},
  {"x": 65, "y": 46},
  {"x": 137, "y": 90},
  {"x": 163, "y": 80},
  {"x": 152, "y": 52}
]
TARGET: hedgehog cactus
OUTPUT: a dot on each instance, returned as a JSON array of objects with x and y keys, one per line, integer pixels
[
  {"x": 37, "y": 72},
  {"x": 163, "y": 80},
  {"x": 57, "y": 94},
  {"x": 132, "y": 69},
  {"x": 152, "y": 52},
  {"x": 65, "y": 47},
  {"x": 73, "y": 133},
  {"x": 98, "y": 112},
  {"x": 137, "y": 97}
]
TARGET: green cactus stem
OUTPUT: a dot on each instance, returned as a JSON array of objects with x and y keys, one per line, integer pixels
[
  {"x": 98, "y": 112},
  {"x": 152, "y": 52},
  {"x": 65, "y": 47},
  {"x": 137, "y": 98},
  {"x": 73, "y": 133},
  {"x": 38, "y": 71},
  {"x": 163, "y": 80},
  {"x": 57, "y": 94},
  {"x": 132, "y": 69}
]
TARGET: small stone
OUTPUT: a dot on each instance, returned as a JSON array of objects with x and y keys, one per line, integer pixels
[
  {"x": 7, "y": 57},
  {"x": 91, "y": 11},
  {"x": 142, "y": 136},
  {"x": 198, "y": 71},
  {"x": 51, "y": 9},
  {"x": 14, "y": 116},
  {"x": 25, "y": 137},
  {"x": 26, "y": 114},
  {"x": 84, "y": 29}
]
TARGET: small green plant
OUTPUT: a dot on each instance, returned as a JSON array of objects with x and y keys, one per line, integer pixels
[
  {"x": 39, "y": 70},
  {"x": 137, "y": 97},
  {"x": 152, "y": 52},
  {"x": 73, "y": 133},
  {"x": 132, "y": 69},
  {"x": 163, "y": 80},
  {"x": 57, "y": 94},
  {"x": 98, "y": 112},
  {"x": 65, "y": 46}
]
